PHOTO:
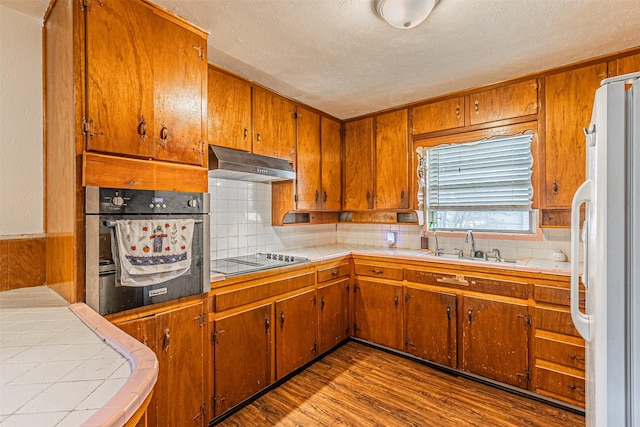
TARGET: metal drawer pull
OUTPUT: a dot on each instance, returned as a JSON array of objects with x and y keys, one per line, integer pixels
[
  {"x": 281, "y": 318},
  {"x": 576, "y": 388},
  {"x": 377, "y": 271},
  {"x": 166, "y": 340},
  {"x": 576, "y": 358}
]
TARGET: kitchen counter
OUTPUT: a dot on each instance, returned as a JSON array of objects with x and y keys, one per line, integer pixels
[
  {"x": 65, "y": 365},
  {"x": 532, "y": 265}
]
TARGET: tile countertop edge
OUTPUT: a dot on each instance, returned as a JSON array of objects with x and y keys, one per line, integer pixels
[
  {"x": 527, "y": 265},
  {"x": 124, "y": 404}
]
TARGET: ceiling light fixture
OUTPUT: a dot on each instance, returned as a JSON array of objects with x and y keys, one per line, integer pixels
[{"x": 403, "y": 14}]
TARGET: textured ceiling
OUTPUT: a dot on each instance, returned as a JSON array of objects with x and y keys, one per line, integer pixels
[{"x": 339, "y": 57}]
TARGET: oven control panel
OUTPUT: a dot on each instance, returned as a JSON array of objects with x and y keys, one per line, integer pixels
[{"x": 126, "y": 201}]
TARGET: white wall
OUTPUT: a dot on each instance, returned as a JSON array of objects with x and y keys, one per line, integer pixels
[{"x": 21, "y": 149}]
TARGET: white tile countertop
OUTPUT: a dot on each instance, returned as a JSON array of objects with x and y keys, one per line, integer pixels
[
  {"x": 65, "y": 365},
  {"x": 321, "y": 253}
]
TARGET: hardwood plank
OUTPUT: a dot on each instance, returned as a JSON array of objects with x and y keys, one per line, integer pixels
[{"x": 361, "y": 386}]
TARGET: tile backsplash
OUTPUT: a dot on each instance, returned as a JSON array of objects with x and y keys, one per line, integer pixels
[
  {"x": 241, "y": 225},
  {"x": 241, "y": 222}
]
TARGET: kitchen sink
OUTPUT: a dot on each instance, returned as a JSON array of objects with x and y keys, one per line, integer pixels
[{"x": 491, "y": 260}]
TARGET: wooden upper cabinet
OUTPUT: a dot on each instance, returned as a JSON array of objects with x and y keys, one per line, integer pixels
[
  {"x": 331, "y": 155},
  {"x": 358, "y": 165},
  {"x": 441, "y": 115},
  {"x": 146, "y": 84},
  {"x": 569, "y": 102},
  {"x": 180, "y": 80},
  {"x": 228, "y": 111},
  {"x": 120, "y": 91},
  {"x": 274, "y": 120},
  {"x": 624, "y": 65},
  {"x": 392, "y": 161},
  {"x": 504, "y": 102},
  {"x": 308, "y": 185}
]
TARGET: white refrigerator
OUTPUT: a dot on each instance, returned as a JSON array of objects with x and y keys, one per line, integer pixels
[{"x": 610, "y": 322}]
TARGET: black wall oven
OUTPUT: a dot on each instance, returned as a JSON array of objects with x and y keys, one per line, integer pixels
[{"x": 103, "y": 207}]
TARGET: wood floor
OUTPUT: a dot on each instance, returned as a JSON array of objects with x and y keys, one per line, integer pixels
[{"x": 360, "y": 386}]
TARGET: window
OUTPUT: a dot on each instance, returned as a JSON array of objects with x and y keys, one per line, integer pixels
[{"x": 483, "y": 185}]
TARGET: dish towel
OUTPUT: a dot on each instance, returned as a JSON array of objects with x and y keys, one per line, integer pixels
[{"x": 151, "y": 251}]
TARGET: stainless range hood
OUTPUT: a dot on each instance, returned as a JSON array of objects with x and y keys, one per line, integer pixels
[{"x": 242, "y": 166}]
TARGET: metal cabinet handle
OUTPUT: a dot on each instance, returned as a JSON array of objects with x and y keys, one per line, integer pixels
[
  {"x": 402, "y": 194},
  {"x": 166, "y": 340},
  {"x": 457, "y": 111},
  {"x": 448, "y": 312},
  {"x": 142, "y": 127},
  {"x": 281, "y": 319},
  {"x": 334, "y": 273},
  {"x": 267, "y": 324},
  {"x": 245, "y": 133},
  {"x": 576, "y": 388},
  {"x": 576, "y": 358},
  {"x": 470, "y": 315},
  {"x": 258, "y": 137},
  {"x": 324, "y": 198},
  {"x": 395, "y": 300},
  {"x": 555, "y": 187},
  {"x": 477, "y": 107},
  {"x": 317, "y": 196},
  {"x": 164, "y": 132},
  {"x": 322, "y": 303},
  {"x": 377, "y": 271}
]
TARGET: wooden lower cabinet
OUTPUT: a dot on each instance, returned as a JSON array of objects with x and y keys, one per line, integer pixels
[
  {"x": 333, "y": 314},
  {"x": 431, "y": 325},
  {"x": 296, "y": 344},
  {"x": 177, "y": 338},
  {"x": 378, "y": 313},
  {"x": 242, "y": 356},
  {"x": 495, "y": 340}
]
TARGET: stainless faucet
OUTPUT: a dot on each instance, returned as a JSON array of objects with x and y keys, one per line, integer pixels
[
  {"x": 473, "y": 243},
  {"x": 439, "y": 251}
]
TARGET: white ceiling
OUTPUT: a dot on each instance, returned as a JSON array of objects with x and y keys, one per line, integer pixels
[{"x": 339, "y": 57}]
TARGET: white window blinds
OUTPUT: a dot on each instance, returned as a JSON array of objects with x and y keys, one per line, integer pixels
[{"x": 488, "y": 174}]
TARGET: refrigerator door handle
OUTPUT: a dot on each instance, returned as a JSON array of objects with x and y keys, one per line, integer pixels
[{"x": 580, "y": 320}]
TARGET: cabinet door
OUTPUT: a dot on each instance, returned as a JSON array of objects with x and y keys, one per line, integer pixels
[
  {"x": 179, "y": 391},
  {"x": 144, "y": 330},
  {"x": 505, "y": 102},
  {"x": 331, "y": 148},
  {"x": 295, "y": 332},
  {"x": 308, "y": 161},
  {"x": 495, "y": 340},
  {"x": 242, "y": 356},
  {"x": 430, "y": 319},
  {"x": 333, "y": 314},
  {"x": 378, "y": 313},
  {"x": 274, "y": 125},
  {"x": 569, "y": 103},
  {"x": 119, "y": 61},
  {"x": 358, "y": 165},
  {"x": 228, "y": 111},
  {"x": 180, "y": 78},
  {"x": 624, "y": 65},
  {"x": 392, "y": 161},
  {"x": 441, "y": 115}
]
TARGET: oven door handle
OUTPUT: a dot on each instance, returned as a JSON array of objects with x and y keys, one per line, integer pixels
[{"x": 111, "y": 223}]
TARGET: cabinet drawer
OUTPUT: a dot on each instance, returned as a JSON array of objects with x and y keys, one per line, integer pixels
[
  {"x": 560, "y": 352},
  {"x": 436, "y": 279},
  {"x": 555, "y": 321},
  {"x": 334, "y": 272},
  {"x": 561, "y": 384},
  {"x": 382, "y": 272},
  {"x": 498, "y": 287},
  {"x": 555, "y": 295}
]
